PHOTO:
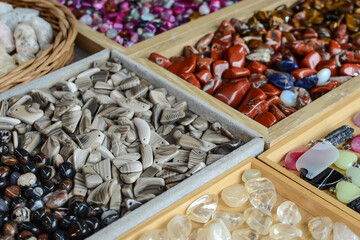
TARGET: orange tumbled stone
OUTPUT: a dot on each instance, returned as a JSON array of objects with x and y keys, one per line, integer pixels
[
  {"x": 218, "y": 67},
  {"x": 184, "y": 67},
  {"x": 311, "y": 60},
  {"x": 204, "y": 63},
  {"x": 270, "y": 90},
  {"x": 349, "y": 69},
  {"x": 254, "y": 93},
  {"x": 233, "y": 91},
  {"x": 330, "y": 64},
  {"x": 236, "y": 56},
  {"x": 254, "y": 107},
  {"x": 256, "y": 67},
  {"x": 236, "y": 72},
  {"x": 302, "y": 72},
  {"x": 204, "y": 76},
  {"x": 266, "y": 118},
  {"x": 334, "y": 48},
  {"x": 160, "y": 60}
]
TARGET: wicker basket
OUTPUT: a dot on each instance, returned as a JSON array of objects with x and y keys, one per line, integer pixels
[{"x": 57, "y": 55}]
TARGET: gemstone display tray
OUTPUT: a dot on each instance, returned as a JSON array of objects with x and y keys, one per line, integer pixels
[
  {"x": 92, "y": 41},
  {"x": 309, "y": 204},
  {"x": 252, "y": 148},
  {"x": 340, "y": 114},
  {"x": 278, "y": 131}
]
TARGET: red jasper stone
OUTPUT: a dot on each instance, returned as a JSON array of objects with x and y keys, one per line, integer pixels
[
  {"x": 204, "y": 76},
  {"x": 233, "y": 91},
  {"x": 256, "y": 67},
  {"x": 286, "y": 109},
  {"x": 184, "y": 67},
  {"x": 160, "y": 60},
  {"x": 176, "y": 59},
  {"x": 270, "y": 90},
  {"x": 273, "y": 38},
  {"x": 341, "y": 34},
  {"x": 310, "y": 33},
  {"x": 266, "y": 118},
  {"x": 212, "y": 86},
  {"x": 254, "y": 107},
  {"x": 193, "y": 80},
  {"x": 218, "y": 67},
  {"x": 350, "y": 57},
  {"x": 257, "y": 79},
  {"x": 311, "y": 60},
  {"x": 273, "y": 100},
  {"x": 204, "y": 63},
  {"x": 254, "y": 93},
  {"x": 334, "y": 48},
  {"x": 217, "y": 51},
  {"x": 204, "y": 41},
  {"x": 330, "y": 64},
  {"x": 225, "y": 31},
  {"x": 189, "y": 50},
  {"x": 237, "y": 40},
  {"x": 275, "y": 58},
  {"x": 236, "y": 56},
  {"x": 300, "y": 47},
  {"x": 224, "y": 45},
  {"x": 349, "y": 69},
  {"x": 236, "y": 72},
  {"x": 276, "y": 112},
  {"x": 302, "y": 72},
  {"x": 325, "y": 88}
]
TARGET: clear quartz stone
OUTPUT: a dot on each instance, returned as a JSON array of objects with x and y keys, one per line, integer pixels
[
  {"x": 232, "y": 220},
  {"x": 245, "y": 234},
  {"x": 288, "y": 213},
  {"x": 179, "y": 227},
  {"x": 284, "y": 231},
  {"x": 203, "y": 208},
  {"x": 250, "y": 174},
  {"x": 262, "y": 193},
  {"x": 157, "y": 234},
  {"x": 214, "y": 230},
  {"x": 235, "y": 195},
  {"x": 259, "y": 220},
  {"x": 342, "y": 232},
  {"x": 320, "y": 227},
  {"x": 195, "y": 234}
]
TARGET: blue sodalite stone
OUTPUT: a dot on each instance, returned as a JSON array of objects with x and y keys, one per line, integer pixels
[
  {"x": 281, "y": 80},
  {"x": 286, "y": 66},
  {"x": 308, "y": 81}
]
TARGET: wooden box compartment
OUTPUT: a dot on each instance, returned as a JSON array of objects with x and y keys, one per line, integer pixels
[
  {"x": 92, "y": 41},
  {"x": 339, "y": 114},
  {"x": 310, "y": 205},
  {"x": 253, "y": 147},
  {"x": 276, "y": 132}
]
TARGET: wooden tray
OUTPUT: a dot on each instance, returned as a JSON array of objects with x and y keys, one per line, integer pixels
[
  {"x": 310, "y": 205},
  {"x": 339, "y": 114},
  {"x": 92, "y": 41},
  {"x": 273, "y": 134}
]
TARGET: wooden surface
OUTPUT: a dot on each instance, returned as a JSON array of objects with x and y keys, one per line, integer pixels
[
  {"x": 341, "y": 114},
  {"x": 309, "y": 204}
]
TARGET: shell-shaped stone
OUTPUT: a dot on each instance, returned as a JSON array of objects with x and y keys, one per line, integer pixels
[
  {"x": 200, "y": 124},
  {"x": 85, "y": 122},
  {"x": 195, "y": 132},
  {"x": 133, "y": 104},
  {"x": 151, "y": 171},
  {"x": 9, "y": 120},
  {"x": 217, "y": 127},
  {"x": 51, "y": 147},
  {"x": 32, "y": 140},
  {"x": 143, "y": 130},
  {"x": 170, "y": 115},
  {"x": 99, "y": 123},
  {"x": 60, "y": 109},
  {"x": 156, "y": 141},
  {"x": 83, "y": 83},
  {"x": 127, "y": 191},
  {"x": 88, "y": 73},
  {"x": 178, "y": 167},
  {"x": 117, "y": 148},
  {"x": 101, "y": 76},
  {"x": 130, "y": 178},
  {"x": 103, "y": 85},
  {"x": 137, "y": 91},
  {"x": 129, "y": 83},
  {"x": 195, "y": 169},
  {"x": 92, "y": 180},
  {"x": 130, "y": 167},
  {"x": 43, "y": 97},
  {"x": 4, "y": 106},
  {"x": 159, "y": 97},
  {"x": 145, "y": 115},
  {"x": 164, "y": 174},
  {"x": 119, "y": 77},
  {"x": 105, "y": 152},
  {"x": 196, "y": 156},
  {"x": 90, "y": 140},
  {"x": 104, "y": 99},
  {"x": 94, "y": 157},
  {"x": 103, "y": 168},
  {"x": 211, "y": 158},
  {"x": 22, "y": 113},
  {"x": 188, "y": 143},
  {"x": 165, "y": 153},
  {"x": 214, "y": 137},
  {"x": 188, "y": 119},
  {"x": 79, "y": 157},
  {"x": 102, "y": 194},
  {"x": 146, "y": 183},
  {"x": 182, "y": 156},
  {"x": 147, "y": 157},
  {"x": 79, "y": 185},
  {"x": 175, "y": 179},
  {"x": 115, "y": 200},
  {"x": 57, "y": 199},
  {"x": 70, "y": 120}
]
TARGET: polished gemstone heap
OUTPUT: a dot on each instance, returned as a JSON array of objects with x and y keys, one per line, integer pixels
[{"x": 278, "y": 61}]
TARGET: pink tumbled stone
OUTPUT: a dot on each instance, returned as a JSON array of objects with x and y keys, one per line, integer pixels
[
  {"x": 355, "y": 144},
  {"x": 356, "y": 119},
  {"x": 292, "y": 157}
]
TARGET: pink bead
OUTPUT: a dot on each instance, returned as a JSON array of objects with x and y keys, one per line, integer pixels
[
  {"x": 356, "y": 119},
  {"x": 158, "y": 10},
  {"x": 124, "y": 5},
  {"x": 215, "y": 5},
  {"x": 292, "y": 157},
  {"x": 355, "y": 144},
  {"x": 99, "y": 5},
  {"x": 119, "y": 40},
  {"x": 118, "y": 26},
  {"x": 179, "y": 8},
  {"x": 104, "y": 28}
]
